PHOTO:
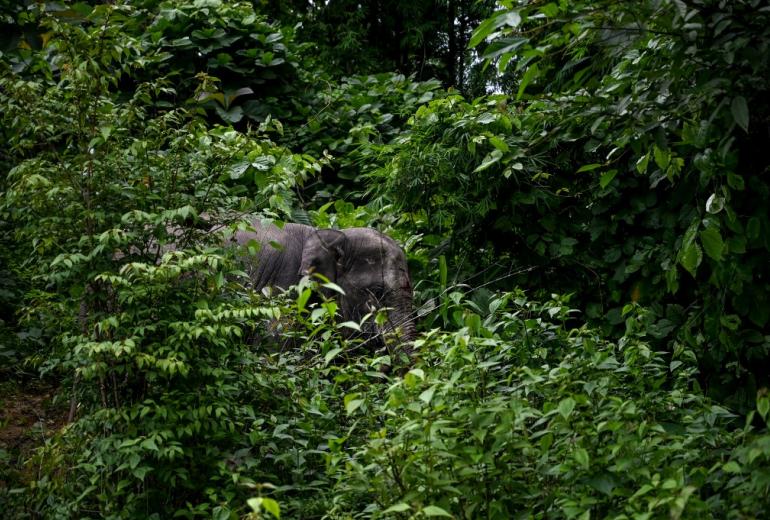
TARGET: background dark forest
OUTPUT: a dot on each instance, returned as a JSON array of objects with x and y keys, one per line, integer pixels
[{"x": 581, "y": 190}]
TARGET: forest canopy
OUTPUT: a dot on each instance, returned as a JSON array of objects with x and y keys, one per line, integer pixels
[{"x": 579, "y": 190}]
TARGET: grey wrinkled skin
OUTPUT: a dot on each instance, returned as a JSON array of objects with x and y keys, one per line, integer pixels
[{"x": 369, "y": 266}]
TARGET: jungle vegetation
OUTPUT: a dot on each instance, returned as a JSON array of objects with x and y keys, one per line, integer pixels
[{"x": 580, "y": 188}]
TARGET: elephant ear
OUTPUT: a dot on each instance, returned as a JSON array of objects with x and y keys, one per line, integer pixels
[{"x": 322, "y": 251}]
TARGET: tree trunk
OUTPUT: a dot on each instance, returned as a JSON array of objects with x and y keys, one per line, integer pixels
[{"x": 451, "y": 62}]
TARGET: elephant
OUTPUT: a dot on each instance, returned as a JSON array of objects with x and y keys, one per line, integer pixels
[{"x": 369, "y": 266}]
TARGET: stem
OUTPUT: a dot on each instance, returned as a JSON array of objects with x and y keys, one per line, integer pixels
[{"x": 73, "y": 400}]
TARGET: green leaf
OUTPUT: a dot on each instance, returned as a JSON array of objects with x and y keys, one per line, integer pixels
[
  {"x": 427, "y": 395},
  {"x": 257, "y": 504},
  {"x": 352, "y": 403},
  {"x": 442, "y": 268},
  {"x": 740, "y": 111},
  {"x": 334, "y": 287},
  {"x": 532, "y": 72},
  {"x": 491, "y": 158},
  {"x": 232, "y": 115},
  {"x": 331, "y": 355},
  {"x": 398, "y": 508},
  {"x": 763, "y": 406},
  {"x": 499, "y": 144},
  {"x": 303, "y": 299},
  {"x": 581, "y": 456},
  {"x": 596, "y": 124},
  {"x": 350, "y": 325},
  {"x": 566, "y": 406},
  {"x": 133, "y": 460},
  {"x": 272, "y": 506},
  {"x": 237, "y": 170},
  {"x": 149, "y": 444},
  {"x": 504, "y": 47},
  {"x": 435, "y": 511},
  {"x": 735, "y": 181},
  {"x": 662, "y": 157},
  {"x": 589, "y": 167},
  {"x": 231, "y": 95},
  {"x": 207, "y": 96},
  {"x": 712, "y": 242},
  {"x": 641, "y": 164},
  {"x": 731, "y": 467},
  {"x": 607, "y": 177},
  {"x": 418, "y": 372},
  {"x": 691, "y": 257},
  {"x": 494, "y": 22},
  {"x": 730, "y": 321},
  {"x": 715, "y": 204},
  {"x": 603, "y": 483},
  {"x": 221, "y": 513},
  {"x": 141, "y": 471}
]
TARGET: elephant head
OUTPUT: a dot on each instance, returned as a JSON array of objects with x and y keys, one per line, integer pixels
[
  {"x": 323, "y": 253},
  {"x": 369, "y": 266},
  {"x": 372, "y": 271}
]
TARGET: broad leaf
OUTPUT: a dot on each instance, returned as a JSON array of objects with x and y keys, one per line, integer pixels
[
  {"x": 497, "y": 20},
  {"x": 607, "y": 177},
  {"x": 532, "y": 72},
  {"x": 712, "y": 242},
  {"x": 662, "y": 157},
  {"x": 427, "y": 395},
  {"x": 566, "y": 406},
  {"x": 641, "y": 163},
  {"x": 352, "y": 402},
  {"x": 491, "y": 158},
  {"x": 715, "y": 204},
  {"x": 740, "y": 111},
  {"x": 398, "y": 508},
  {"x": 691, "y": 257},
  {"x": 435, "y": 511},
  {"x": 582, "y": 458},
  {"x": 589, "y": 167}
]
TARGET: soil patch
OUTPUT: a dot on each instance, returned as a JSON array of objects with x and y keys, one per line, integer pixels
[{"x": 27, "y": 419}]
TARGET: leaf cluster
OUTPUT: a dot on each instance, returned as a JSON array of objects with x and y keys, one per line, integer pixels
[
  {"x": 623, "y": 166},
  {"x": 519, "y": 413}
]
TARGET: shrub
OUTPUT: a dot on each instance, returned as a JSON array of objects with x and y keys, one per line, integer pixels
[{"x": 519, "y": 414}]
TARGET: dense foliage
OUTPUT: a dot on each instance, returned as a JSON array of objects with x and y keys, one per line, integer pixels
[
  {"x": 627, "y": 167},
  {"x": 608, "y": 151}
]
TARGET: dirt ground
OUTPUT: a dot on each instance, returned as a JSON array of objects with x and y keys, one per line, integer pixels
[{"x": 27, "y": 418}]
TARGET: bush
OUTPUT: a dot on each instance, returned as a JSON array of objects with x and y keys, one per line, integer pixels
[
  {"x": 623, "y": 166},
  {"x": 518, "y": 414}
]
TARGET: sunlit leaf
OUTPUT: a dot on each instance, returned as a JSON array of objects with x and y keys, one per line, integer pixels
[
  {"x": 427, "y": 395},
  {"x": 497, "y": 20},
  {"x": 435, "y": 511},
  {"x": 715, "y": 204},
  {"x": 398, "y": 508},
  {"x": 352, "y": 402}
]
